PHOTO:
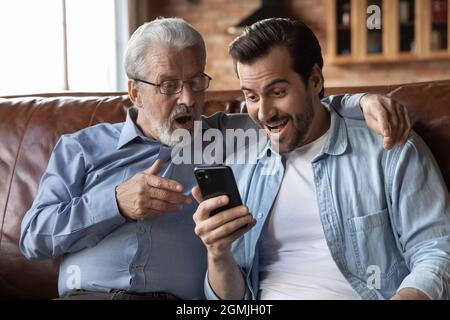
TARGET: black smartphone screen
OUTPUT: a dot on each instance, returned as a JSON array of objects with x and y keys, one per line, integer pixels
[{"x": 215, "y": 181}]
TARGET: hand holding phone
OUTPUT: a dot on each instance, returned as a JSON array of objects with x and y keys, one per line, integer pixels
[
  {"x": 215, "y": 181},
  {"x": 219, "y": 232}
]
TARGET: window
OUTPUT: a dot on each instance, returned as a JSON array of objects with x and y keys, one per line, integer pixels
[{"x": 57, "y": 45}]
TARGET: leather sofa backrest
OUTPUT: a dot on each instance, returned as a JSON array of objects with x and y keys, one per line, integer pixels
[
  {"x": 31, "y": 125},
  {"x": 29, "y": 129}
]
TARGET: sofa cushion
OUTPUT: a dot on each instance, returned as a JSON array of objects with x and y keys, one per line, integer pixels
[{"x": 30, "y": 127}]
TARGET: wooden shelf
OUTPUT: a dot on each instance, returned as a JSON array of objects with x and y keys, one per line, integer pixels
[
  {"x": 407, "y": 56},
  {"x": 343, "y": 27},
  {"x": 445, "y": 53},
  {"x": 395, "y": 35},
  {"x": 401, "y": 58}
]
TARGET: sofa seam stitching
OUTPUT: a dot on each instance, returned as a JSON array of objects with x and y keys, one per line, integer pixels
[
  {"x": 95, "y": 111},
  {"x": 13, "y": 173}
]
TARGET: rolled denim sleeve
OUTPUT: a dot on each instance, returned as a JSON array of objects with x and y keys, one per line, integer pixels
[
  {"x": 346, "y": 105},
  {"x": 430, "y": 280},
  {"x": 421, "y": 218},
  {"x": 62, "y": 219}
]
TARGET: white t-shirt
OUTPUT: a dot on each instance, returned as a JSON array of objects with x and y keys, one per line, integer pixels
[{"x": 295, "y": 262}]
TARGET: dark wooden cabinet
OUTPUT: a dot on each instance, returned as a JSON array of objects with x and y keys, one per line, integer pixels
[{"x": 406, "y": 30}]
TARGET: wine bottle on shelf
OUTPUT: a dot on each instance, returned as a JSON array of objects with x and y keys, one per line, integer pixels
[
  {"x": 346, "y": 14},
  {"x": 436, "y": 40},
  {"x": 439, "y": 11},
  {"x": 404, "y": 11}
]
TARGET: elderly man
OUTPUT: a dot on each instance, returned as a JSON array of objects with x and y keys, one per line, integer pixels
[
  {"x": 340, "y": 217},
  {"x": 114, "y": 206}
]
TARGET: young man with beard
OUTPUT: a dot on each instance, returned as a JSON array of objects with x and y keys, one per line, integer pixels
[
  {"x": 339, "y": 217},
  {"x": 113, "y": 205}
]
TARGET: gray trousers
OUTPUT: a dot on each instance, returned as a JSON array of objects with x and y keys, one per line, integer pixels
[{"x": 116, "y": 295}]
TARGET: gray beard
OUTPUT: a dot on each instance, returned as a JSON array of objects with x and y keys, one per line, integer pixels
[{"x": 165, "y": 131}]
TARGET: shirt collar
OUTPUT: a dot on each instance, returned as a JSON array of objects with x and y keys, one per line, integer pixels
[
  {"x": 337, "y": 140},
  {"x": 130, "y": 131}
]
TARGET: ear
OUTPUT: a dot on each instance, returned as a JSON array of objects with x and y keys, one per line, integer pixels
[
  {"x": 316, "y": 80},
  {"x": 134, "y": 93}
]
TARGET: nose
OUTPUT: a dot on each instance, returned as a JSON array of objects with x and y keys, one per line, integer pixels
[
  {"x": 186, "y": 96},
  {"x": 265, "y": 110}
]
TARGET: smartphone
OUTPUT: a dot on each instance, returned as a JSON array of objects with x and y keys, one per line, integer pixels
[{"x": 215, "y": 181}]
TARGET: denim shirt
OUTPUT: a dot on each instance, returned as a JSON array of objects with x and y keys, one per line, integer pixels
[{"x": 385, "y": 214}]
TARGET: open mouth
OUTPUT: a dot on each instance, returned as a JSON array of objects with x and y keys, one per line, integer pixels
[
  {"x": 183, "y": 119},
  {"x": 276, "y": 127}
]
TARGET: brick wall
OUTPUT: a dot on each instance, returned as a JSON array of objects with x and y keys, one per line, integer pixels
[{"x": 212, "y": 18}]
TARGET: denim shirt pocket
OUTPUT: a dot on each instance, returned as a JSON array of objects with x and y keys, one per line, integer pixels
[{"x": 375, "y": 248}]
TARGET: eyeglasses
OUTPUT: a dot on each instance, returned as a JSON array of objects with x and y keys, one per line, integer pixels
[{"x": 168, "y": 87}]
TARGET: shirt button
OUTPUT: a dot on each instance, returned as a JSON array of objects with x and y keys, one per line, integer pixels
[
  {"x": 140, "y": 229},
  {"x": 259, "y": 215}
]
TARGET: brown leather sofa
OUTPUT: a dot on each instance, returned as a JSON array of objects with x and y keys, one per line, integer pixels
[{"x": 31, "y": 125}]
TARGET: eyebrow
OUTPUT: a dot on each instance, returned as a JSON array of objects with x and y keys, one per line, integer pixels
[
  {"x": 267, "y": 86},
  {"x": 165, "y": 77}
]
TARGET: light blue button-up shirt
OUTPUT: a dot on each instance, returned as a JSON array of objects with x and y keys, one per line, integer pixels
[
  {"x": 75, "y": 213},
  {"x": 385, "y": 214}
]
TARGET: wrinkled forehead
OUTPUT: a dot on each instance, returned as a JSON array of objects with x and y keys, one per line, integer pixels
[{"x": 166, "y": 57}]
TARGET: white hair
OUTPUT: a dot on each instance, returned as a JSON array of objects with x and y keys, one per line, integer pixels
[{"x": 174, "y": 32}]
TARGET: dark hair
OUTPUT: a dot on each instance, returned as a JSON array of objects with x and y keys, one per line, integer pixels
[{"x": 257, "y": 40}]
